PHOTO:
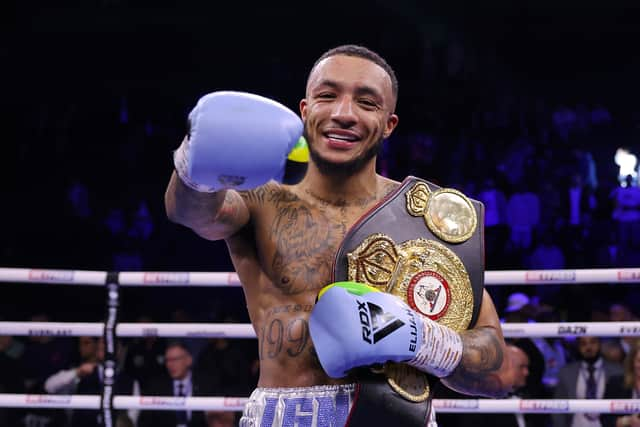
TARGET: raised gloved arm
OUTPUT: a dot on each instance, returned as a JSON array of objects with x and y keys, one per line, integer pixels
[
  {"x": 354, "y": 325},
  {"x": 236, "y": 141}
]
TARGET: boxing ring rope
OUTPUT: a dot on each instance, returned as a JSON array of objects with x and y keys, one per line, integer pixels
[
  {"x": 112, "y": 329},
  {"x": 171, "y": 403},
  {"x": 245, "y": 330},
  {"x": 127, "y": 330},
  {"x": 173, "y": 278}
]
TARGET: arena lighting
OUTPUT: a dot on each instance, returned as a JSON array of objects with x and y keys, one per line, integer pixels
[{"x": 627, "y": 163}]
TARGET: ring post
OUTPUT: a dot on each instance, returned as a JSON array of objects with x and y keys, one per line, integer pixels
[{"x": 110, "y": 348}]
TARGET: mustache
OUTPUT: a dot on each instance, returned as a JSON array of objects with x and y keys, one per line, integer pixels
[{"x": 355, "y": 165}]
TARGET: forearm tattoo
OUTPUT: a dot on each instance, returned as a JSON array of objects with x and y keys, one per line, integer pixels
[
  {"x": 190, "y": 204},
  {"x": 228, "y": 213},
  {"x": 478, "y": 371}
]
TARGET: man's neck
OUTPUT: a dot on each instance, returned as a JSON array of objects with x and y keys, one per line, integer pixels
[
  {"x": 341, "y": 190},
  {"x": 595, "y": 362},
  {"x": 185, "y": 377}
]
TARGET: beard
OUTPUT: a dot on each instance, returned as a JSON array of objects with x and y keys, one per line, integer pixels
[
  {"x": 591, "y": 359},
  {"x": 344, "y": 169}
]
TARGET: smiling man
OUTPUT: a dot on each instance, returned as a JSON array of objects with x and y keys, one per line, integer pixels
[
  {"x": 287, "y": 242},
  {"x": 348, "y": 131}
]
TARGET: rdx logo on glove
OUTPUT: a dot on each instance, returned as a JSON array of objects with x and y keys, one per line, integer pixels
[{"x": 375, "y": 321}]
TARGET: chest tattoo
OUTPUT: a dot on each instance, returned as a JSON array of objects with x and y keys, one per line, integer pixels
[{"x": 306, "y": 240}]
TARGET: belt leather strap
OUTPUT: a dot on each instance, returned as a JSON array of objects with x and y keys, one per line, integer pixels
[{"x": 376, "y": 403}]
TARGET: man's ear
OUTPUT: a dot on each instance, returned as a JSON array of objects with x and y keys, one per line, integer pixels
[{"x": 392, "y": 122}]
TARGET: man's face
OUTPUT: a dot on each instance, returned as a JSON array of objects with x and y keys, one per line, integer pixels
[
  {"x": 589, "y": 348},
  {"x": 619, "y": 313},
  {"x": 100, "y": 353},
  {"x": 347, "y": 112},
  {"x": 178, "y": 362},
  {"x": 5, "y": 342},
  {"x": 87, "y": 347},
  {"x": 520, "y": 366}
]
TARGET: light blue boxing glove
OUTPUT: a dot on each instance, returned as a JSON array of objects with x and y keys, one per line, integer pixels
[
  {"x": 354, "y": 325},
  {"x": 236, "y": 140}
]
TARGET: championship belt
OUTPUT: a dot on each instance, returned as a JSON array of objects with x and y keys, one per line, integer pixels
[{"x": 424, "y": 244}]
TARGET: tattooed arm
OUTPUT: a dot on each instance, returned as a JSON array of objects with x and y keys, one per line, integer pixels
[
  {"x": 484, "y": 369},
  {"x": 213, "y": 216}
]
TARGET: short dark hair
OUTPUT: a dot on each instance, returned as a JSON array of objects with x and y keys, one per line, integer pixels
[
  {"x": 177, "y": 343},
  {"x": 361, "y": 52}
]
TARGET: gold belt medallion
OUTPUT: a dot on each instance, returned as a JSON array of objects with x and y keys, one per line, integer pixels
[
  {"x": 426, "y": 275},
  {"x": 448, "y": 213}
]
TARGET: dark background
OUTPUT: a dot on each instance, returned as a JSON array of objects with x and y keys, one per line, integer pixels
[{"x": 170, "y": 52}]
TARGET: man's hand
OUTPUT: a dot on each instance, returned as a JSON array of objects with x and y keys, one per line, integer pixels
[
  {"x": 236, "y": 140},
  {"x": 85, "y": 369},
  {"x": 355, "y": 325}
]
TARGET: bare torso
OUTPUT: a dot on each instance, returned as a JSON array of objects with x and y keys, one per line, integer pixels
[{"x": 283, "y": 258}]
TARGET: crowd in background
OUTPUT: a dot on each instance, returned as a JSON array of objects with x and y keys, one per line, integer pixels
[
  {"x": 546, "y": 175},
  {"x": 87, "y": 184}
]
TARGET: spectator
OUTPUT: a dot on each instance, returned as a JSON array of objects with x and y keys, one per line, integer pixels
[
  {"x": 533, "y": 387},
  {"x": 620, "y": 312},
  {"x": 520, "y": 367},
  {"x": 92, "y": 383},
  {"x": 495, "y": 221},
  {"x": 584, "y": 379},
  {"x": 144, "y": 360},
  {"x": 129, "y": 227},
  {"x": 579, "y": 204},
  {"x": 626, "y": 214},
  {"x": 564, "y": 122},
  {"x": 65, "y": 381},
  {"x": 10, "y": 382},
  {"x": 546, "y": 254},
  {"x": 20, "y": 364},
  {"x": 523, "y": 215},
  {"x": 518, "y": 162},
  {"x": 584, "y": 166},
  {"x": 520, "y": 371},
  {"x": 555, "y": 357},
  {"x": 625, "y": 386},
  {"x": 11, "y": 347},
  {"x": 520, "y": 309},
  {"x": 43, "y": 356},
  {"x": 180, "y": 382},
  {"x": 608, "y": 252},
  {"x": 526, "y": 369}
]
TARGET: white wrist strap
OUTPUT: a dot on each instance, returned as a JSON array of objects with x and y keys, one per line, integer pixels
[
  {"x": 440, "y": 351},
  {"x": 181, "y": 163}
]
